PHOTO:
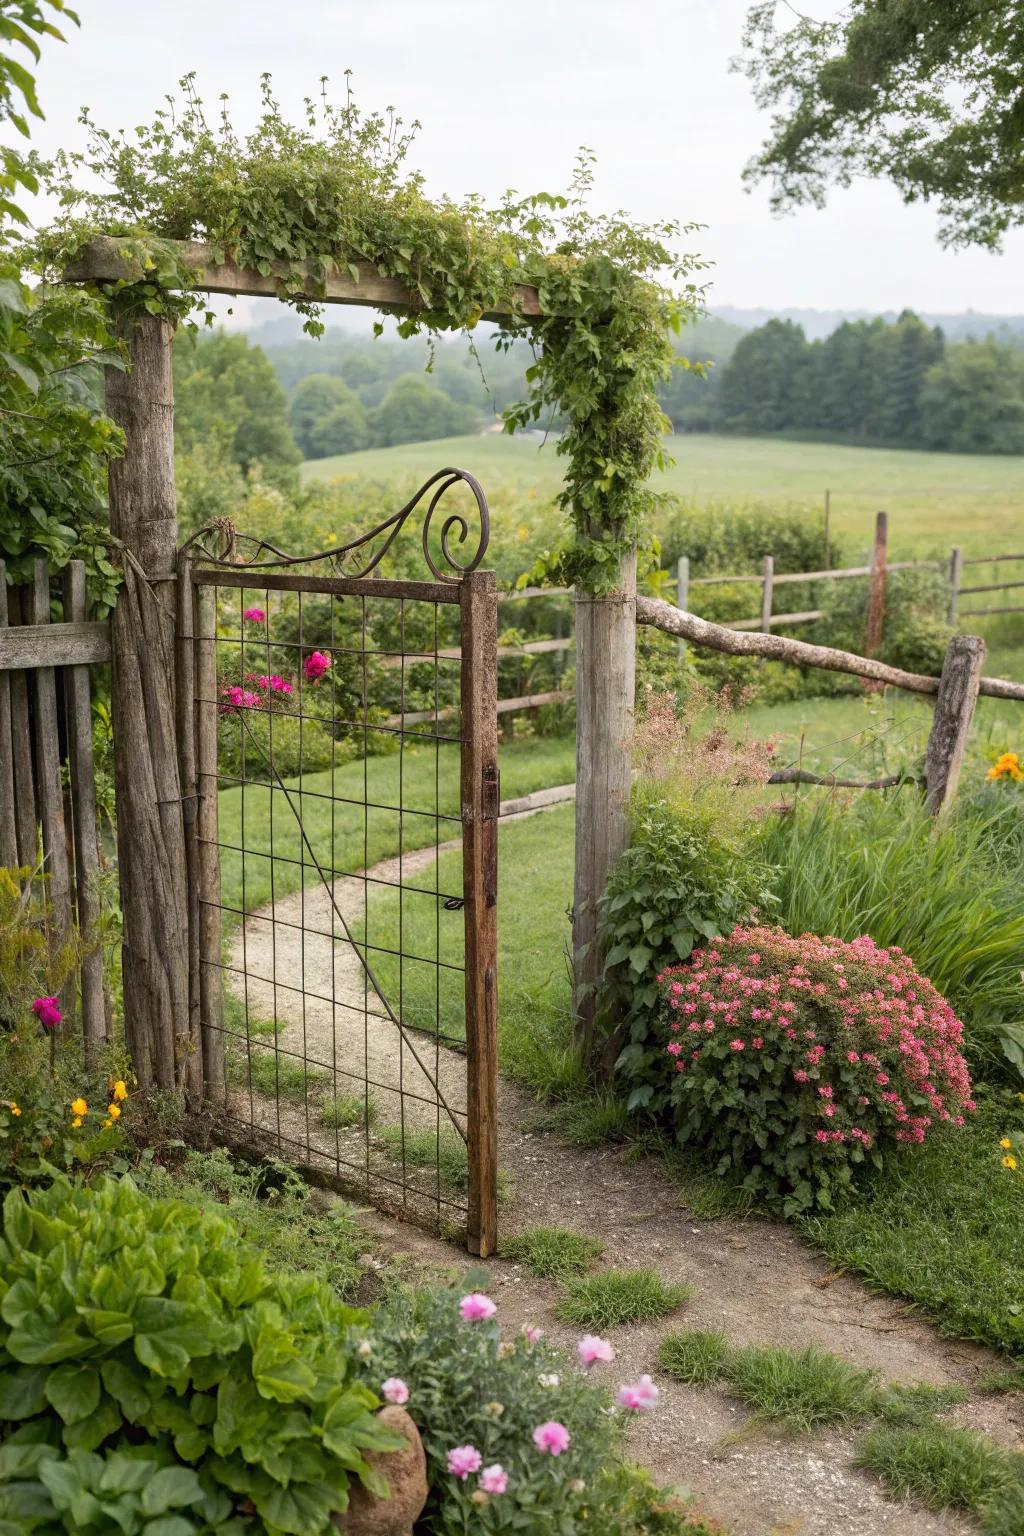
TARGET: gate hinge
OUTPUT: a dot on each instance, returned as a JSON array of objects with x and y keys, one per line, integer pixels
[{"x": 491, "y": 798}]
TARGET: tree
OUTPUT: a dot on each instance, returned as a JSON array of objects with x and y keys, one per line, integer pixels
[
  {"x": 924, "y": 93},
  {"x": 973, "y": 401},
  {"x": 318, "y": 396},
  {"x": 345, "y": 429},
  {"x": 414, "y": 411},
  {"x": 764, "y": 383},
  {"x": 227, "y": 397}
]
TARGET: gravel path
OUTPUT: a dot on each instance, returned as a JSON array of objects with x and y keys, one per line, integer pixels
[{"x": 755, "y": 1280}]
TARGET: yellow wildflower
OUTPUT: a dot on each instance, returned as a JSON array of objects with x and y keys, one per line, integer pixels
[
  {"x": 119, "y": 1091},
  {"x": 14, "y": 1108},
  {"x": 76, "y": 1123},
  {"x": 114, "y": 1110},
  {"x": 1005, "y": 1143},
  {"x": 1009, "y": 1162},
  {"x": 79, "y": 1107},
  {"x": 107, "y": 1124},
  {"x": 1007, "y": 766}
]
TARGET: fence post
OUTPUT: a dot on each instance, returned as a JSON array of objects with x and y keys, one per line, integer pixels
[
  {"x": 150, "y": 831},
  {"x": 767, "y": 585},
  {"x": 876, "y": 596},
  {"x": 828, "y": 530},
  {"x": 605, "y": 685},
  {"x": 956, "y": 565},
  {"x": 682, "y": 592},
  {"x": 8, "y": 796},
  {"x": 951, "y": 723}
]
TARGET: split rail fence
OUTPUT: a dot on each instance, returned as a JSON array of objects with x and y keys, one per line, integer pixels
[{"x": 48, "y": 818}]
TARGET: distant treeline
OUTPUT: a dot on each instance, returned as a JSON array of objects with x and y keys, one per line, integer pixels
[{"x": 899, "y": 384}]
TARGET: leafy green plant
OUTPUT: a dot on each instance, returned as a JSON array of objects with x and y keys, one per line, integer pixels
[
  {"x": 792, "y": 1061},
  {"x": 916, "y": 632},
  {"x": 552, "y": 1252},
  {"x": 470, "y": 1388},
  {"x": 153, "y": 1365},
  {"x": 616, "y": 1296}
]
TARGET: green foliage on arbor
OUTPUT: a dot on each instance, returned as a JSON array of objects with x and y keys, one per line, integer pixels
[
  {"x": 923, "y": 93},
  {"x": 323, "y": 196},
  {"x": 22, "y": 24},
  {"x": 158, "y": 1379}
]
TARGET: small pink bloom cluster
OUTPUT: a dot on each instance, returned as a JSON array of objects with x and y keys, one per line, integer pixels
[
  {"x": 47, "y": 1011},
  {"x": 866, "y": 1044},
  {"x": 237, "y": 697},
  {"x": 253, "y": 615},
  {"x": 316, "y": 665}
]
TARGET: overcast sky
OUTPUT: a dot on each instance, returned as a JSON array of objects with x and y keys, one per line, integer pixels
[{"x": 507, "y": 92}]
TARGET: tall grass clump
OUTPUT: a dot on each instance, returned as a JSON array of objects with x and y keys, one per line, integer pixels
[{"x": 945, "y": 895}]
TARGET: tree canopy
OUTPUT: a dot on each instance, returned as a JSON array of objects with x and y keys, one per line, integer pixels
[{"x": 927, "y": 94}]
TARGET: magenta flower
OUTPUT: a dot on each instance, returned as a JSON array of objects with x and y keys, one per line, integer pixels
[
  {"x": 394, "y": 1390},
  {"x": 274, "y": 683},
  {"x": 551, "y": 1437},
  {"x": 316, "y": 665},
  {"x": 639, "y": 1397},
  {"x": 464, "y": 1459},
  {"x": 476, "y": 1307},
  {"x": 590, "y": 1349},
  {"x": 532, "y": 1334},
  {"x": 254, "y": 615},
  {"x": 494, "y": 1479},
  {"x": 239, "y": 698},
  {"x": 47, "y": 1011}
]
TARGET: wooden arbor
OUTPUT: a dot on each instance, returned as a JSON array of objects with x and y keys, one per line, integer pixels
[{"x": 153, "y": 812}]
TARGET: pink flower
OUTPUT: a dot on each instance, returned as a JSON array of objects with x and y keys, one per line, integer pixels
[
  {"x": 494, "y": 1479},
  {"x": 464, "y": 1459},
  {"x": 737, "y": 1045},
  {"x": 47, "y": 1011},
  {"x": 639, "y": 1397},
  {"x": 394, "y": 1390},
  {"x": 254, "y": 615},
  {"x": 551, "y": 1437},
  {"x": 275, "y": 683},
  {"x": 476, "y": 1307},
  {"x": 239, "y": 698},
  {"x": 532, "y": 1334},
  {"x": 316, "y": 665},
  {"x": 590, "y": 1348}
]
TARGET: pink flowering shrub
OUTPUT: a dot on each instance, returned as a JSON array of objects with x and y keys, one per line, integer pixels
[{"x": 795, "y": 1060}]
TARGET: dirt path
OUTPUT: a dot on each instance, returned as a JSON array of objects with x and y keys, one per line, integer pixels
[{"x": 755, "y": 1280}]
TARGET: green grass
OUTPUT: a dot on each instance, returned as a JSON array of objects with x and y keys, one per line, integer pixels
[
  {"x": 274, "y": 1073},
  {"x": 941, "y": 1466},
  {"x": 917, "y": 1405},
  {"x": 934, "y": 500},
  {"x": 694, "y": 1356},
  {"x": 553, "y": 1253},
  {"x": 534, "y": 894},
  {"x": 800, "y": 1389},
  {"x": 616, "y": 1296},
  {"x": 943, "y": 1227},
  {"x": 424, "y": 1149},
  {"x": 343, "y": 833},
  {"x": 345, "y": 1111}
]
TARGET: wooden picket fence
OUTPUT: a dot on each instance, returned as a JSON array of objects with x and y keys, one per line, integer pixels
[{"x": 48, "y": 819}]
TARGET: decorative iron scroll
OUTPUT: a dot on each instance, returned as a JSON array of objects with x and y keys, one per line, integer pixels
[{"x": 229, "y": 554}]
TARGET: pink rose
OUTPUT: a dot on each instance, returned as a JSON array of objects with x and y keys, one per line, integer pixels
[
  {"x": 551, "y": 1437},
  {"x": 639, "y": 1397},
  {"x": 394, "y": 1390},
  {"x": 464, "y": 1459},
  {"x": 590, "y": 1349},
  {"x": 532, "y": 1334},
  {"x": 254, "y": 615},
  {"x": 476, "y": 1307},
  {"x": 494, "y": 1479},
  {"x": 47, "y": 1011},
  {"x": 316, "y": 665}
]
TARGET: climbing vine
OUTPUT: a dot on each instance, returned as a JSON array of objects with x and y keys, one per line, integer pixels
[{"x": 306, "y": 201}]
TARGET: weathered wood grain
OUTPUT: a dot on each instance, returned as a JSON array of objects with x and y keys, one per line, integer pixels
[
  {"x": 8, "y": 821},
  {"x": 951, "y": 722},
  {"x": 25, "y": 812},
  {"x": 69, "y": 644},
  {"x": 211, "y": 996},
  {"x": 82, "y": 776}
]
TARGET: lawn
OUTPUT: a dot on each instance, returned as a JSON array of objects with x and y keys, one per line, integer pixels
[
  {"x": 343, "y": 833},
  {"x": 935, "y": 500}
]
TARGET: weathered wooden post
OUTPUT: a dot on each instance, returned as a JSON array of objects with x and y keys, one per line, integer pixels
[
  {"x": 876, "y": 596},
  {"x": 682, "y": 593},
  {"x": 956, "y": 566},
  {"x": 951, "y": 723},
  {"x": 767, "y": 592},
  {"x": 605, "y": 685},
  {"x": 828, "y": 530},
  {"x": 150, "y": 832}
]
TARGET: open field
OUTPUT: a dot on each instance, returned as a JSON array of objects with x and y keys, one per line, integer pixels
[{"x": 934, "y": 500}]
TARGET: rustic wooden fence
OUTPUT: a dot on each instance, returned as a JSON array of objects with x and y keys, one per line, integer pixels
[{"x": 48, "y": 815}]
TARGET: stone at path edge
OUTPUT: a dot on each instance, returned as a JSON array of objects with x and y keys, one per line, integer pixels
[{"x": 406, "y": 1475}]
